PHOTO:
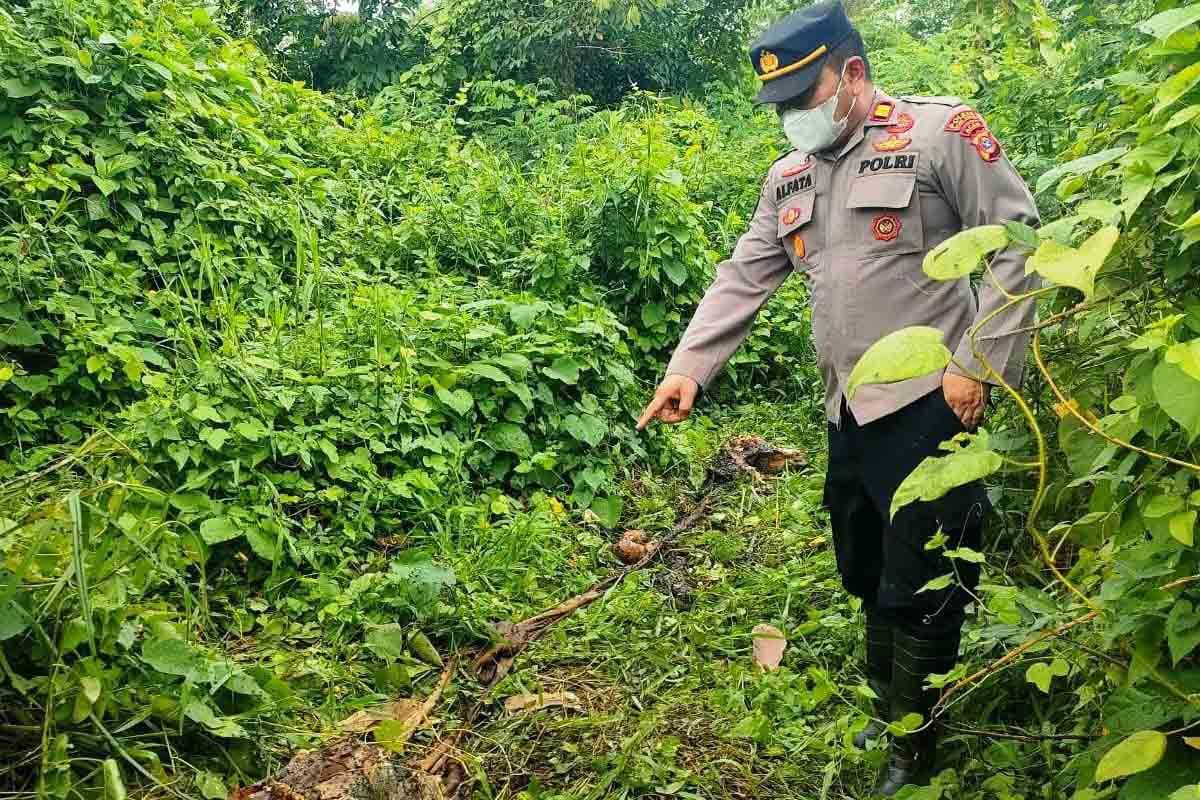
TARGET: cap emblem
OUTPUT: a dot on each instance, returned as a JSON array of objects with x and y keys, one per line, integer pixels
[{"x": 768, "y": 61}]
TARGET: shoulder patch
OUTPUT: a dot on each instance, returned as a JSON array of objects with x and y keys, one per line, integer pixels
[{"x": 970, "y": 125}]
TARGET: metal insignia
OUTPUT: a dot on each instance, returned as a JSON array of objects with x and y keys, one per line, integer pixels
[
  {"x": 798, "y": 243},
  {"x": 767, "y": 62},
  {"x": 796, "y": 170},
  {"x": 882, "y": 111},
  {"x": 904, "y": 123},
  {"x": 892, "y": 143}
]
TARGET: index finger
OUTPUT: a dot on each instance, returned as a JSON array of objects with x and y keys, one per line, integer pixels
[{"x": 651, "y": 411}]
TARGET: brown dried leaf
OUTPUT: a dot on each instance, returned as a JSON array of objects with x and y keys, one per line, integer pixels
[
  {"x": 365, "y": 719},
  {"x": 533, "y": 702},
  {"x": 769, "y": 644}
]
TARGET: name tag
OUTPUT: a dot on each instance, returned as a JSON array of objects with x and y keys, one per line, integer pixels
[
  {"x": 789, "y": 188},
  {"x": 889, "y": 162}
]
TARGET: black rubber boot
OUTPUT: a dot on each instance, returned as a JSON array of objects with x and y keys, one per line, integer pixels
[
  {"x": 912, "y": 756},
  {"x": 879, "y": 677}
]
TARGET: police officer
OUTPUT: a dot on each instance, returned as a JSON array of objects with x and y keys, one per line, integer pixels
[{"x": 872, "y": 184}]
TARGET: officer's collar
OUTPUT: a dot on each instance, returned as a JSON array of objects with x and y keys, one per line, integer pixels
[{"x": 882, "y": 112}]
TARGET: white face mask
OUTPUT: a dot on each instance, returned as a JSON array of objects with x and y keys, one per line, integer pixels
[{"x": 814, "y": 129}]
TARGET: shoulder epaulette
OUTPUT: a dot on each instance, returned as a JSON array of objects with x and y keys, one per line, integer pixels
[{"x": 945, "y": 100}]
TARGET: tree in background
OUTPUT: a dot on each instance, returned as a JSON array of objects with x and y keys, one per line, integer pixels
[{"x": 328, "y": 48}]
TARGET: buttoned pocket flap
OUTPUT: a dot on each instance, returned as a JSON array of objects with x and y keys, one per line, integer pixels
[
  {"x": 882, "y": 191},
  {"x": 795, "y": 212}
]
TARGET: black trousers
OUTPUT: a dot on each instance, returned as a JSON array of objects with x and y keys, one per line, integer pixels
[{"x": 886, "y": 562}]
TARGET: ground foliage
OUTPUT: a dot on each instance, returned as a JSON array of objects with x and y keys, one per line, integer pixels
[{"x": 298, "y": 388}]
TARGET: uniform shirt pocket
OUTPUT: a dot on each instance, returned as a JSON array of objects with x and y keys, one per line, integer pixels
[
  {"x": 795, "y": 231},
  {"x": 885, "y": 215}
]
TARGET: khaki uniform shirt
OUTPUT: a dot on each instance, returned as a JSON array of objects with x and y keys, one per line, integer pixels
[{"x": 856, "y": 224}]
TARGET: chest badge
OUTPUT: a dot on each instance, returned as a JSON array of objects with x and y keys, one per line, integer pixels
[
  {"x": 796, "y": 170},
  {"x": 882, "y": 112},
  {"x": 885, "y": 227},
  {"x": 892, "y": 143},
  {"x": 904, "y": 123}
]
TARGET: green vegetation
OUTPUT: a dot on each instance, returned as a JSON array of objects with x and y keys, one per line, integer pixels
[{"x": 317, "y": 361}]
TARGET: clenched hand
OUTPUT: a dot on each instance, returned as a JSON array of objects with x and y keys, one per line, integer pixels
[
  {"x": 967, "y": 397},
  {"x": 672, "y": 401}
]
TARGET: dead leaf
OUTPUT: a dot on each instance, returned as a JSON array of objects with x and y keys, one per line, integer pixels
[
  {"x": 633, "y": 546},
  {"x": 533, "y": 702},
  {"x": 769, "y": 644},
  {"x": 365, "y": 719},
  {"x": 1192, "y": 741}
]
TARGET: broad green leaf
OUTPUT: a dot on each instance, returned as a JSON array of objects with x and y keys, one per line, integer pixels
[
  {"x": 488, "y": 371},
  {"x": 200, "y": 712},
  {"x": 91, "y": 688},
  {"x": 1186, "y": 792},
  {"x": 1177, "y": 86},
  {"x": 608, "y": 509},
  {"x": 387, "y": 641},
  {"x": 1074, "y": 267},
  {"x": 172, "y": 656},
  {"x": 586, "y": 428},
  {"x": 961, "y": 253},
  {"x": 1080, "y": 166},
  {"x": 1186, "y": 356},
  {"x": 1137, "y": 182},
  {"x": 251, "y": 429},
  {"x": 1182, "y": 117},
  {"x": 1183, "y": 630},
  {"x": 938, "y": 583},
  {"x": 1162, "y": 505},
  {"x": 211, "y": 786},
  {"x": 14, "y": 620},
  {"x": 219, "y": 529},
  {"x": 261, "y": 542},
  {"x": 1156, "y": 153},
  {"x": 16, "y": 88},
  {"x": 1020, "y": 233},
  {"x": 1041, "y": 674},
  {"x": 1136, "y": 753},
  {"x": 564, "y": 369},
  {"x": 1178, "y": 394},
  {"x": 969, "y": 457},
  {"x": 1183, "y": 526},
  {"x": 393, "y": 734},
  {"x": 459, "y": 399},
  {"x": 966, "y": 554},
  {"x": 510, "y": 438},
  {"x": 1166, "y": 23},
  {"x": 20, "y": 334},
  {"x": 1105, "y": 211},
  {"x": 903, "y": 354}
]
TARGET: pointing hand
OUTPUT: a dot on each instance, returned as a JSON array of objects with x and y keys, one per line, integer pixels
[{"x": 672, "y": 401}]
